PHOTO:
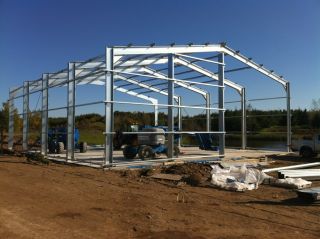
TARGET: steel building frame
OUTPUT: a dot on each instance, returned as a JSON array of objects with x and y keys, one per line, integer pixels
[{"x": 127, "y": 64}]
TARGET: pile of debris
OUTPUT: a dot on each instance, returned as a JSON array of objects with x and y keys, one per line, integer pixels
[
  {"x": 297, "y": 171},
  {"x": 240, "y": 174},
  {"x": 298, "y": 174}
]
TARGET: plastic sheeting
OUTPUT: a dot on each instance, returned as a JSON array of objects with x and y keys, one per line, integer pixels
[
  {"x": 295, "y": 183},
  {"x": 237, "y": 179}
]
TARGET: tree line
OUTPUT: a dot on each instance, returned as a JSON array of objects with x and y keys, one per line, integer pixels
[{"x": 257, "y": 120}]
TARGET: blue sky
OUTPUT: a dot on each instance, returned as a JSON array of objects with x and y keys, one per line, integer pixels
[{"x": 38, "y": 36}]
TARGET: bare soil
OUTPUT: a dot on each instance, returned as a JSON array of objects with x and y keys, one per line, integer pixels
[{"x": 62, "y": 201}]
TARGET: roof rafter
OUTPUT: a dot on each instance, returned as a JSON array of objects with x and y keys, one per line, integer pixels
[{"x": 207, "y": 73}]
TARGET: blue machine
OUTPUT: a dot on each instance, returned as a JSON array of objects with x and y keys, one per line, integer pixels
[
  {"x": 149, "y": 144},
  {"x": 57, "y": 140},
  {"x": 206, "y": 141}
]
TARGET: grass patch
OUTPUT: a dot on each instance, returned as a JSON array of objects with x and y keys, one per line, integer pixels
[{"x": 91, "y": 136}]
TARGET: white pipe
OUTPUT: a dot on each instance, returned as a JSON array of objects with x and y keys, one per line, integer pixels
[{"x": 308, "y": 165}]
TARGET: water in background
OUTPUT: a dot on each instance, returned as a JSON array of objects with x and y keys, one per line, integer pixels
[
  {"x": 266, "y": 144},
  {"x": 276, "y": 145}
]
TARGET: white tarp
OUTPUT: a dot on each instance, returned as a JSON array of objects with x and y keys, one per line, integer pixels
[
  {"x": 237, "y": 179},
  {"x": 295, "y": 183}
]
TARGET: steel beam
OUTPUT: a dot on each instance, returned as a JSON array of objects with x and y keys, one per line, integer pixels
[
  {"x": 166, "y": 49},
  {"x": 25, "y": 116},
  {"x": 11, "y": 120},
  {"x": 243, "y": 119},
  {"x": 152, "y": 100},
  {"x": 221, "y": 105},
  {"x": 146, "y": 62},
  {"x": 254, "y": 65},
  {"x": 170, "y": 108},
  {"x": 204, "y": 93},
  {"x": 240, "y": 89},
  {"x": 71, "y": 110},
  {"x": 179, "y": 83},
  {"x": 179, "y": 120},
  {"x": 136, "y": 94},
  {"x": 208, "y": 112},
  {"x": 288, "y": 117},
  {"x": 44, "y": 114},
  {"x": 156, "y": 115},
  {"x": 207, "y": 73},
  {"x": 109, "y": 107},
  {"x": 143, "y": 85}
]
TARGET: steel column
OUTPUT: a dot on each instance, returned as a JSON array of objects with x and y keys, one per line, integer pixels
[
  {"x": 288, "y": 117},
  {"x": 179, "y": 120},
  {"x": 11, "y": 120},
  {"x": 156, "y": 114},
  {"x": 208, "y": 112},
  {"x": 221, "y": 105},
  {"x": 25, "y": 115},
  {"x": 44, "y": 114},
  {"x": 109, "y": 106},
  {"x": 170, "y": 108},
  {"x": 243, "y": 119},
  {"x": 71, "y": 110}
]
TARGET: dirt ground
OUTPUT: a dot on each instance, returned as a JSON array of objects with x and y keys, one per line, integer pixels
[{"x": 62, "y": 201}]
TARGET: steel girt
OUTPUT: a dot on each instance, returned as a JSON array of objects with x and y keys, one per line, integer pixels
[
  {"x": 44, "y": 114},
  {"x": 186, "y": 86},
  {"x": 136, "y": 94},
  {"x": 170, "y": 148},
  {"x": 207, "y": 73},
  {"x": 71, "y": 110},
  {"x": 221, "y": 105},
  {"x": 213, "y": 76},
  {"x": 109, "y": 117},
  {"x": 147, "y": 98},
  {"x": 143, "y": 85},
  {"x": 98, "y": 80},
  {"x": 179, "y": 83},
  {"x": 16, "y": 90},
  {"x": 11, "y": 120},
  {"x": 35, "y": 85},
  {"x": 144, "y": 97},
  {"x": 25, "y": 115}
]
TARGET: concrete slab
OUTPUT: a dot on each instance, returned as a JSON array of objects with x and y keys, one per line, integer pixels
[{"x": 95, "y": 156}]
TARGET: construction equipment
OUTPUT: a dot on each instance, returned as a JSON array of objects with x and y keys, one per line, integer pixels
[
  {"x": 148, "y": 145},
  {"x": 57, "y": 140},
  {"x": 120, "y": 139},
  {"x": 206, "y": 141}
]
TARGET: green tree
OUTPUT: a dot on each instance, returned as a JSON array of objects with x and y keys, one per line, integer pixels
[{"x": 4, "y": 121}]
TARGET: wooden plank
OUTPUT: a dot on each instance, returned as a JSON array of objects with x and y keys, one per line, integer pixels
[{"x": 165, "y": 176}]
